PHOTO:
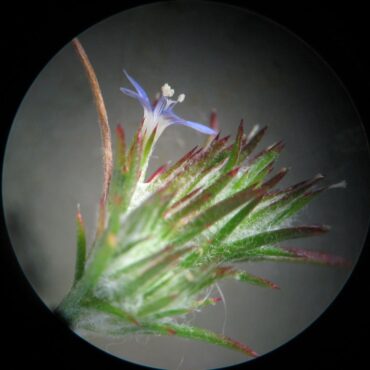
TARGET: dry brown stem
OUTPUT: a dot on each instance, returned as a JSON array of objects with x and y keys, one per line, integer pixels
[{"x": 103, "y": 117}]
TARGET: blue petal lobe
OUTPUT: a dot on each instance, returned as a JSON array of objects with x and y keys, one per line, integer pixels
[
  {"x": 135, "y": 95},
  {"x": 159, "y": 107},
  {"x": 139, "y": 89},
  {"x": 174, "y": 119},
  {"x": 129, "y": 92},
  {"x": 199, "y": 127}
]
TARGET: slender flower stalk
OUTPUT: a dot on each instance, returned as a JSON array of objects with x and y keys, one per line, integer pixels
[{"x": 163, "y": 243}]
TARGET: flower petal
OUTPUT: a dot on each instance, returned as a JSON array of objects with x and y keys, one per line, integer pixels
[
  {"x": 131, "y": 93},
  {"x": 135, "y": 95},
  {"x": 159, "y": 108},
  {"x": 174, "y": 119},
  {"x": 141, "y": 92}
]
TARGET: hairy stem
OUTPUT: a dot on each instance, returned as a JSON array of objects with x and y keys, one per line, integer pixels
[{"x": 103, "y": 117}]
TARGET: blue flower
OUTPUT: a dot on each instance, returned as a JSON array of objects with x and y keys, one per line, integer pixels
[{"x": 161, "y": 113}]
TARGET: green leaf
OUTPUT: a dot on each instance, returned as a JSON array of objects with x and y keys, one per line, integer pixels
[
  {"x": 133, "y": 172},
  {"x": 182, "y": 202},
  {"x": 234, "y": 155},
  {"x": 153, "y": 307},
  {"x": 98, "y": 260},
  {"x": 204, "y": 197},
  {"x": 248, "y": 148},
  {"x": 260, "y": 167},
  {"x": 154, "y": 270},
  {"x": 210, "y": 156},
  {"x": 121, "y": 148},
  {"x": 241, "y": 248},
  {"x": 215, "y": 213},
  {"x": 155, "y": 175},
  {"x": 266, "y": 253},
  {"x": 213, "y": 123},
  {"x": 230, "y": 272},
  {"x": 195, "y": 333},
  {"x": 295, "y": 206},
  {"x": 216, "y": 274},
  {"x": 115, "y": 270},
  {"x": 206, "y": 176},
  {"x": 179, "y": 164},
  {"x": 143, "y": 220},
  {"x": 295, "y": 255},
  {"x": 316, "y": 257},
  {"x": 106, "y": 307},
  {"x": 184, "y": 331},
  {"x": 81, "y": 247},
  {"x": 201, "y": 164},
  {"x": 266, "y": 215},
  {"x": 273, "y": 181},
  {"x": 119, "y": 168},
  {"x": 234, "y": 222},
  {"x": 149, "y": 145},
  {"x": 165, "y": 281},
  {"x": 170, "y": 313}
]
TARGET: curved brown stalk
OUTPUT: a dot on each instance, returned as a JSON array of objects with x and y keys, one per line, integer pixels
[{"x": 103, "y": 117}]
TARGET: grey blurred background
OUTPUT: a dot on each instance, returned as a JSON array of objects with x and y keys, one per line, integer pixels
[{"x": 221, "y": 57}]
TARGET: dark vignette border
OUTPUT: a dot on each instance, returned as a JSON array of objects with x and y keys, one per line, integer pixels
[{"x": 30, "y": 36}]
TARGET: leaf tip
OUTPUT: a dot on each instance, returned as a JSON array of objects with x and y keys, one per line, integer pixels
[
  {"x": 214, "y": 120},
  {"x": 79, "y": 217},
  {"x": 234, "y": 172},
  {"x": 242, "y": 347}
]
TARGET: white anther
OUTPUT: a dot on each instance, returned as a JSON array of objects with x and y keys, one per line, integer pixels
[
  {"x": 181, "y": 98},
  {"x": 167, "y": 91}
]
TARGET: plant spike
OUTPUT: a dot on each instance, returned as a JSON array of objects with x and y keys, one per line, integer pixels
[{"x": 163, "y": 242}]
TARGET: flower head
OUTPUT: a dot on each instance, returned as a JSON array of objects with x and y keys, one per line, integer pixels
[
  {"x": 162, "y": 244},
  {"x": 161, "y": 113}
]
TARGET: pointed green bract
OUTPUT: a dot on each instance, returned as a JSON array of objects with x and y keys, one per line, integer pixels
[
  {"x": 179, "y": 330},
  {"x": 207, "y": 194},
  {"x": 213, "y": 214},
  {"x": 239, "y": 249},
  {"x": 230, "y": 272},
  {"x": 275, "y": 236},
  {"x": 234, "y": 222},
  {"x": 251, "y": 144},
  {"x": 235, "y": 151},
  {"x": 199, "y": 334},
  {"x": 295, "y": 206}
]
